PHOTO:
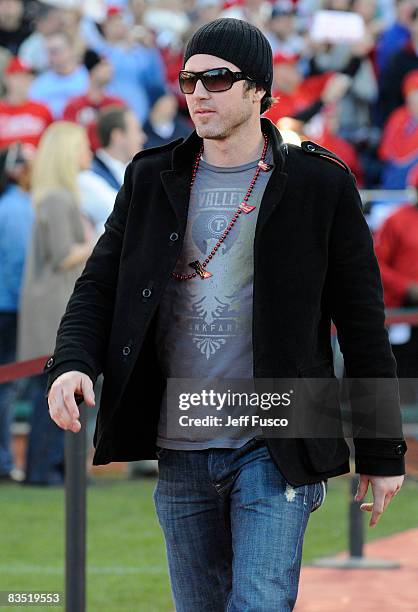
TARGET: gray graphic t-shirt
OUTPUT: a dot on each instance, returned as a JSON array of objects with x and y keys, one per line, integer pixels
[{"x": 204, "y": 327}]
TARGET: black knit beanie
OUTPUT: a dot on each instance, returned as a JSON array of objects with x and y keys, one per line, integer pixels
[{"x": 237, "y": 42}]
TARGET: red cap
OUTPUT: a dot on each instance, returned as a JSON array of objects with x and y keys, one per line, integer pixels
[
  {"x": 15, "y": 66},
  {"x": 113, "y": 10},
  {"x": 230, "y": 3},
  {"x": 283, "y": 58},
  {"x": 410, "y": 82}
]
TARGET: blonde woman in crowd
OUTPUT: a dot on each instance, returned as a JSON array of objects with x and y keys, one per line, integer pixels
[{"x": 61, "y": 243}]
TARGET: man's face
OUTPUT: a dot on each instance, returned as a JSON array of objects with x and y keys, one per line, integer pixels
[
  {"x": 115, "y": 28},
  {"x": 102, "y": 73},
  {"x": 286, "y": 76},
  {"x": 11, "y": 13},
  {"x": 216, "y": 115},
  {"x": 17, "y": 84},
  {"x": 365, "y": 8},
  {"x": 283, "y": 25},
  {"x": 49, "y": 23},
  {"x": 60, "y": 54},
  {"x": 404, "y": 9},
  {"x": 209, "y": 13},
  {"x": 414, "y": 28},
  {"x": 138, "y": 8},
  {"x": 412, "y": 102},
  {"x": 133, "y": 137},
  {"x": 165, "y": 109}
]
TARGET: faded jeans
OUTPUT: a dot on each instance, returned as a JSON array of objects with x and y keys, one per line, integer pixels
[{"x": 233, "y": 528}]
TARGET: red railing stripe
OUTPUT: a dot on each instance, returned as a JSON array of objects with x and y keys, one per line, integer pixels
[{"x": 31, "y": 367}]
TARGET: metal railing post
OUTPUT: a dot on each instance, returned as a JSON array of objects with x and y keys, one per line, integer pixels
[{"x": 75, "y": 517}]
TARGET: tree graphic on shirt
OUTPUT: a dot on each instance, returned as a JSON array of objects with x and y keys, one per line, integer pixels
[{"x": 209, "y": 309}]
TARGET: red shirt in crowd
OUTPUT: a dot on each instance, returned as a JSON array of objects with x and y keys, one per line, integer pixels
[
  {"x": 396, "y": 247},
  {"x": 343, "y": 149},
  {"x": 24, "y": 122},
  {"x": 306, "y": 94},
  {"x": 173, "y": 63},
  {"x": 84, "y": 111},
  {"x": 400, "y": 137}
]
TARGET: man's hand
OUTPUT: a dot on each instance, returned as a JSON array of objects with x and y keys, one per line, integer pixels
[
  {"x": 335, "y": 88},
  {"x": 63, "y": 408},
  {"x": 383, "y": 487}
]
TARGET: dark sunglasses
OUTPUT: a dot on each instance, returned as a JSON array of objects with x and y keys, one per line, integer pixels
[{"x": 217, "y": 79}]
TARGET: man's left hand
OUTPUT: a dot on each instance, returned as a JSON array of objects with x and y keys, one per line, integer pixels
[{"x": 383, "y": 488}]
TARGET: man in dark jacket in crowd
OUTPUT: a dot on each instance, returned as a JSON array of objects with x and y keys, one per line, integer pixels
[
  {"x": 226, "y": 256},
  {"x": 394, "y": 73}
]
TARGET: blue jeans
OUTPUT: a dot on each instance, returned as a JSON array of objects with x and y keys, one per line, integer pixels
[
  {"x": 45, "y": 451},
  {"x": 233, "y": 528},
  {"x": 7, "y": 390}
]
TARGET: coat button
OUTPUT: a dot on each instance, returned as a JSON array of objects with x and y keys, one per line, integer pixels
[
  {"x": 126, "y": 350},
  {"x": 399, "y": 449},
  {"x": 311, "y": 147},
  {"x": 146, "y": 293},
  {"x": 50, "y": 362},
  {"x": 174, "y": 236}
]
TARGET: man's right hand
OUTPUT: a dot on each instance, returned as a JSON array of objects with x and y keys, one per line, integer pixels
[
  {"x": 335, "y": 88},
  {"x": 63, "y": 408}
]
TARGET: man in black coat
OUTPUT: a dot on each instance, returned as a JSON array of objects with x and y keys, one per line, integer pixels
[{"x": 225, "y": 257}]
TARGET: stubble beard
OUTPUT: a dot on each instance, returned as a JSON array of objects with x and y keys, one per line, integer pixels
[{"x": 226, "y": 126}]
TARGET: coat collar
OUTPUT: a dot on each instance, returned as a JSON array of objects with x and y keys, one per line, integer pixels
[
  {"x": 185, "y": 152},
  {"x": 176, "y": 181}
]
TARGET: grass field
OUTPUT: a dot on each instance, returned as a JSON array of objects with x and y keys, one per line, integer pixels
[{"x": 125, "y": 550}]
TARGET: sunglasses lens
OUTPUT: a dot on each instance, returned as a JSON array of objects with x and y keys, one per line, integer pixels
[
  {"x": 187, "y": 81},
  {"x": 217, "y": 80}
]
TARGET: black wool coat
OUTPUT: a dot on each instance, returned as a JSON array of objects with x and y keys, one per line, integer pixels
[{"x": 313, "y": 262}]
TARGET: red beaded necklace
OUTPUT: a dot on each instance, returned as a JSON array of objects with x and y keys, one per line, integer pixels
[{"x": 244, "y": 207}]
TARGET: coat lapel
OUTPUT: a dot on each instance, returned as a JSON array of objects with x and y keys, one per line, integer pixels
[
  {"x": 271, "y": 198},
  {"x": 277, "y": 183},
  {"x": 177, "y": 187},
  {"x": 176, "y": 181}
]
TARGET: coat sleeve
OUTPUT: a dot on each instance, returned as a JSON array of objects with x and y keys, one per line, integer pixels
[
  {"x": 84, "y": 330},
  {"x": 357, "y": 309}
]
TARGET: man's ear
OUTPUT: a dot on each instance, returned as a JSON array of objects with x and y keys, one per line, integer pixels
[{"x": 260, "y": 92}]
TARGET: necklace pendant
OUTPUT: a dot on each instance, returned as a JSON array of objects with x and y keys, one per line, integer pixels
[
  {"x": 197, "y": 267},
  {"x": 265, "y": 167},
  {"x": 247, "y": 208}
]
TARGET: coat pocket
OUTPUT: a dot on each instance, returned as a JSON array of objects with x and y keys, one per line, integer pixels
[{"x": 324, "y": 454}]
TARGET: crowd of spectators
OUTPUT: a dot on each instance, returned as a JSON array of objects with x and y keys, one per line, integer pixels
[
  {"x": 68, "y": 60},
  {"x": 84, "y": 85}
]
